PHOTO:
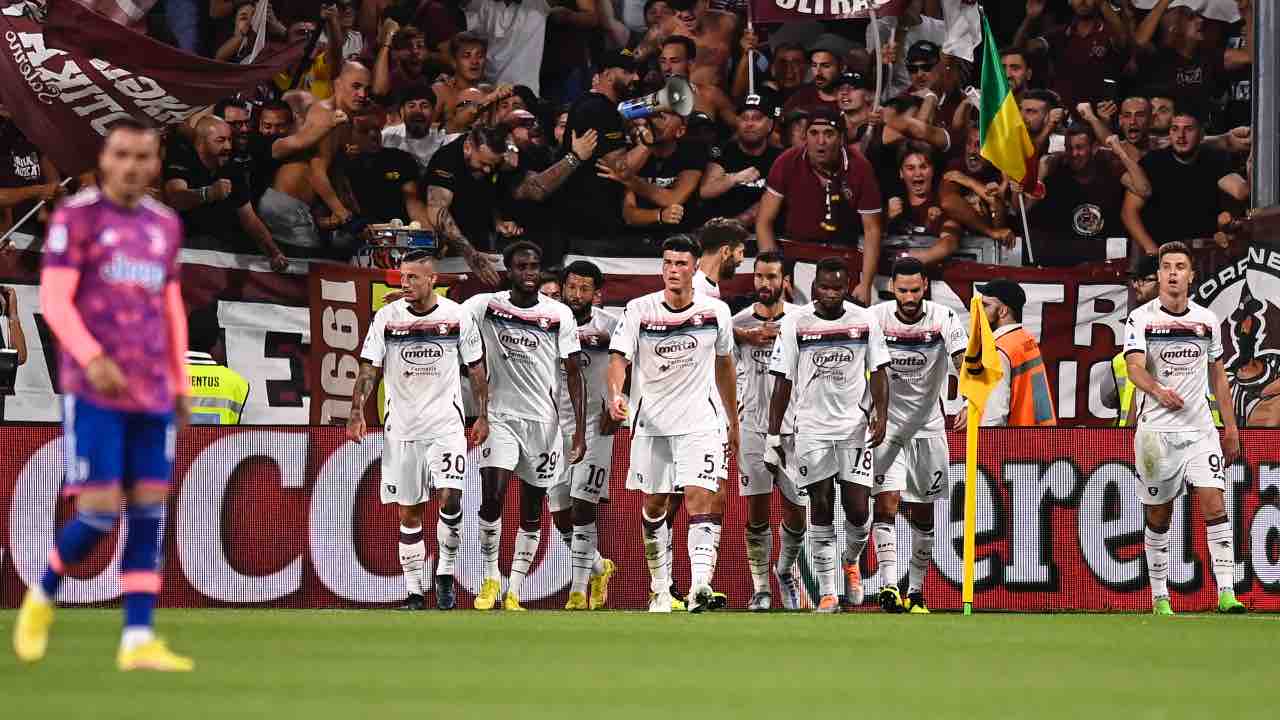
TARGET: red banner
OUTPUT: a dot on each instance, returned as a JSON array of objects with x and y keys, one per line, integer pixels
[
  {"x": 125, "y": 12},
  {"x": 780, "y": 11},
  {"x": 66, "y": 81},
  {"x": 290, "y": 517}
]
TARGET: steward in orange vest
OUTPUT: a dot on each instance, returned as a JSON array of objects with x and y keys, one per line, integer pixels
[{"x": 1021, "y": 399}]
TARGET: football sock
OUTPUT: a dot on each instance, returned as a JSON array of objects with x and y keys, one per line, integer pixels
[
  {"x": 670, "y": 557},
  {"x": 139, "y": 570},
  {"x": 822, "y": 548},
  {"x": 759, "y": 550},
  {"x": 921, "y": 554},
  {"x": 855, "y": 539},
  {"x": 1156, "y": 546},
  {"x": 413, "y": 553},
  {"x": 704, "y": 547},
  {"x": 1224, "y": 557},
  {"x": 886, "y": 552},
  {"x": 490, "y": 536},
  {"x": 583, "y": 552},
  {"x": 526, "y": 548},
  {"x": 73, "y": 543},
  {"x": 792, "y": 542},
  {"x": 656, "y": 541},
  {"x": 448, "y": 538}
]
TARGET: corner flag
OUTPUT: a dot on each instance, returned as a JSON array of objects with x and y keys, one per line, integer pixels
[{"x": 981, "y": 373}]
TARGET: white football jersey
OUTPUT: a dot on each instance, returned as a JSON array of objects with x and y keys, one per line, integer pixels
[
  {"x": 755, "y": 382},
  {"x": 827, "y": 362},
  {"x": 1179, "y": 349},
  {"x": 673, "y": 363},
  {"x": 524, "y": 348},
  {"x": 920, "y": 361},
  {"x": 703, "y": 284},
  {"x": 419, "y": 356},
  {"x": 594, "y": 338}
]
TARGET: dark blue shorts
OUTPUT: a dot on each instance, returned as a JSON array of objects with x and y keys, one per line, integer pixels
[{"x": 107, "y": 447}]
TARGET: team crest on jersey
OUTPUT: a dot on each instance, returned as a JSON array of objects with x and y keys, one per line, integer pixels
[
  {"x": 443, "y": 328},
  {"x": 544, "y": 323},
  {"x": 697, "y": 320},
  {"x": 1244, "y": 296}
]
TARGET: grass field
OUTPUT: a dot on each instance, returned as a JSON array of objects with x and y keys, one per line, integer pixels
[{"x": 367, "y": 664}]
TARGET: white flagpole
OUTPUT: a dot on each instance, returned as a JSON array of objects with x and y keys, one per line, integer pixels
[
  {"x": 1026, "y": 229},
  {"x": 875, "y": 29},
  {"x": 4, "y": 240},
  {"x": 751, "y": 56}
]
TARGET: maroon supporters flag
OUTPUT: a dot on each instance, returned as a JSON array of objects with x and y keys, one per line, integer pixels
[
  {"x": 66, "y": 80},
  {"x": 779, "y": 11},
  {"x": 125, "y": 12}
]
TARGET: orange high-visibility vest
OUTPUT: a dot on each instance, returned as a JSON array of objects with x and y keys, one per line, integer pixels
[{"x": 1029, "y": 399}]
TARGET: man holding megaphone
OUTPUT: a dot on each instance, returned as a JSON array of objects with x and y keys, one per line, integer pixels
[{"x": 589, "y": 203}]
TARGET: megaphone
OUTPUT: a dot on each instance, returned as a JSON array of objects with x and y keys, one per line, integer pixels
[{"x": 676, "y": 97}]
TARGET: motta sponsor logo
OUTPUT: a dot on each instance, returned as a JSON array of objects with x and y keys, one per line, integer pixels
[
  {"x": 1180, "y": 354},
  {"x": 424, "y": 354},
  {"x": 676, "y": 347},
  {"x": 909, "y": 361},
  {"x": 518, "y": 340},
  {"x": 833, "y": 357}
]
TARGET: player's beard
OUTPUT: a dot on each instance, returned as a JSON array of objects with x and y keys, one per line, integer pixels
[
  {"x": 911, "y": 311},
  {"x": 581, "y": 310},
  {"x": 767, "y": 295},
  {"x": 416, "y": 124}
]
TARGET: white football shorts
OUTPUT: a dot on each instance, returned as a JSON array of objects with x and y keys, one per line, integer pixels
[
  {"x": 755, "y": 478},
  {"x": 915, "y": 467},
  {"x": 848, "y": 461},
  {"x": 412, "y": 468},
  {"x": 1169, "y": 461},
  {"x": 589, "y": 479},
  {"x": 530, "y": 448},
  {"x": 669, "y": 463}
]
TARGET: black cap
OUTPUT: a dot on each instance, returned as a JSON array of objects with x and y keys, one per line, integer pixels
[
  {"x": 925, "y": 51},
  {"x": 1006, "y": 291},
  {"x": 699, "y": 118},
  {"x": 794, "y": 115},
  {"x": 855, "y": 80},
  {"x": 762, "y": 102},
  {"x": 824, "y": 115},
  {"x": 1147, "y": 265},
  {"x": 618, "y": 59}
]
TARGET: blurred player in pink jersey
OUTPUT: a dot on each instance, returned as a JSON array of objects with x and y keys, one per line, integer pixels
[{"x": 110, "y": 293}]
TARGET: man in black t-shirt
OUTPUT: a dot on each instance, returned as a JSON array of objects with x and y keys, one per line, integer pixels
[
  {"x": 588, "y": 207},
  {"x": 1186, "y": 180},
  {"x": 462, "y": 187},
  {"x": 659, "y": 198},
  {"x": 275, "y": 121},
  {"x": 196, "y": 184},
  {"x": 733, "y": 182},
  {"x": 384, "y": 180}
]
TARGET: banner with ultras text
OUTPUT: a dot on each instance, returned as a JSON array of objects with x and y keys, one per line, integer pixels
[{"x": 289, "y": 517}]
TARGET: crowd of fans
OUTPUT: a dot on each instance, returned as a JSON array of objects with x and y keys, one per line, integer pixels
[{"x": 489, "y": 120}]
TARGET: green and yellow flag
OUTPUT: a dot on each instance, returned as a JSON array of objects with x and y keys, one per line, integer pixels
[
  {"x": 978, "y": 377},
  {"x": 1005, "y": 140}
]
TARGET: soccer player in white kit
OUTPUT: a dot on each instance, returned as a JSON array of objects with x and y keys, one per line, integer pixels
[
  {"x": 821, "y": 360},
  {"x": 925, "y": 341},
  {"x": 526, "y": 337},
  {"x": 679, "y": 345},
  {"x": 416, "y": 343},
  {"x": 574, "y": 502},
  {"x": 723, "y": 242},
  {"x": 1173, "y": 348},
  {"x": 756, "y": 327}
]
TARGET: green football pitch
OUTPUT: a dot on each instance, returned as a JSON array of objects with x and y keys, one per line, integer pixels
[{"x": 381, "y": 664}]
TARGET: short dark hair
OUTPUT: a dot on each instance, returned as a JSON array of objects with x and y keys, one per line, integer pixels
[
  {"x": 405, "y": 36},
  {"x": 493, "y": 137},
  {"x": 915, "y": 147},
  {"x": 772, "y": 256},
  {"x": 690, "y": 48},
  {"x": 905, "y": 103},
  {"x": 1047, "y": 97},
  {"x": 465, "y": 38},
  {"x": 788, "y": 46},
  {"x": 583, "y": 268},
  {"x": 649, "y": 3},
  {"x": 220, "y": 107},
  {"x": 1174, "y": 247},
  {"x": 275, "y": 106},
  {"x": 549, "y": 275},
  {"x": 906, "y": 265},
  {"x": 831, "y": 265},
  {"x": 417, "y": 91},
  {"x": 1014, "y": 50},
  {"x": 418, "y": 256},
  {"x": 509, "y": 253},
  {"x": 682, "y": 244},
  {"x": 1079, "y": 129},
  {"x": 721, "y": 232},
  {"x": 1185, "y": 107}
]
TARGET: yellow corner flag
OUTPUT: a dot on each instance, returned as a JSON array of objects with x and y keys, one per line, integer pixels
[{"x": 981, "y": 373}]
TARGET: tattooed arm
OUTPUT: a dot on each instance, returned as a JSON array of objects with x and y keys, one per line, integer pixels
[
  {"x": 365, "y": 384},
  {"x": 480, "y": 393},
  {"x": 446, "y": 228},
  {"x": 538, "y": 187}
]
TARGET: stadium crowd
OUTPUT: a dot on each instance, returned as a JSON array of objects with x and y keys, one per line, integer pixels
[{"x": 486, "y": 121}]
